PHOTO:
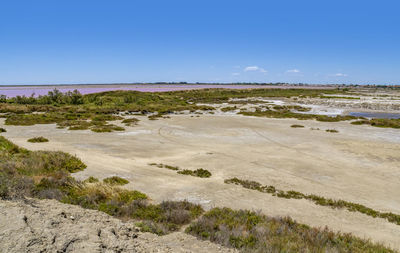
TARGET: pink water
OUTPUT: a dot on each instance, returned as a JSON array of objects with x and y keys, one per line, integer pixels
[
  {"x": 12, "y": 91},
  {"x": 86, "y": 89}
]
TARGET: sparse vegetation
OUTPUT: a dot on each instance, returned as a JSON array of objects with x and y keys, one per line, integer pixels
[
  {"x": 339, "y": 97},
  {"x": 291, "y": 107},
  {"x": 229, "y": 109},
  {"x": 41, "y": 174},
  {"x": 352, "y": 207},
  {"x": 130, "y": 122},
  {"x": 297, "y": 126},
  {"x": 115, "y": 180},
  {"x": 196, "y": 173},
  {"x": 300, "y": 116},
  {"x": 331, "y": 131},
  {"x": 91, "y": 180},
  {"x": 38, "y": 139},
  {"x": 93, "y": 111},
  {"x": 160, "y": 165},
  {"x": 392, "y": 123},
  {"x": 254, "y": 232}
]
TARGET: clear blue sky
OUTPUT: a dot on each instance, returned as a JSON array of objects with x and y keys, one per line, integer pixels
[{"x": 70, "y": 41}]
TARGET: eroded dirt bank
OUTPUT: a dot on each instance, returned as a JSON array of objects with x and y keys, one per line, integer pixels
[{"x": 49, "y": 226}]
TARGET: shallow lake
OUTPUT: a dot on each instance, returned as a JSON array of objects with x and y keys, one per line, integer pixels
[
  {"x": 378, "y": 115},
  {"x": 13, "y": 91}
]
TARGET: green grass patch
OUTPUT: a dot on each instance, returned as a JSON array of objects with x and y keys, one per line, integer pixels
[
  {"x": 249, "y": 231},
  {"x": 342, "y": 204},
  {"x": 115, "y": 180},
  {"x": 38, "y": 139}
]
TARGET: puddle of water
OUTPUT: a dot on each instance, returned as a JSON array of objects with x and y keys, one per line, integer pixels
[{"x": 378, "y": 115}]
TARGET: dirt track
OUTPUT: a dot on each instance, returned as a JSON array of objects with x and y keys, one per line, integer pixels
[{"x": 359, "y": 164}]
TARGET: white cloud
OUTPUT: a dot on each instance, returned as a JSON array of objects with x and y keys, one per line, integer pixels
[
  {"x": 255, "y": 68},
  {"x": 293, "y": 71},
  {"x": 235, "y": 74},
  {"x": 340, "y": 75}
]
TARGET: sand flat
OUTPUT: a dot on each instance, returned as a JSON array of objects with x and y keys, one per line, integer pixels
[{"x": 359, "y": 164}]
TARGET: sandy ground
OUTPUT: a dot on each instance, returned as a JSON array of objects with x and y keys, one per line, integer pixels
[{"x": 358, "y": 164}]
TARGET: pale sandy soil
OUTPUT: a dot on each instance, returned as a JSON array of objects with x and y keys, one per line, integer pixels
[{"x": 359, "y": 164}]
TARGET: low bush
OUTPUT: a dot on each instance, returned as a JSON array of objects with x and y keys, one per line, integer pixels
[
  {"x": 391, "y": 123},
  {"x": 2, "y": 130},
  {"x": 353, "y": 207},
  {"x": 130, "y": 121},
  {"x": 91, "y": 180},
  {"x": 74, "y": 121},
  {"x": 160, "y": 165},
  {"x": 106, "y": 128},
  {"x": 196, "y": 173},
  {"x": 300, "y": 116},
  {"x": 38, "y": 139},
  {"x": 253, "y": 232},
  {"x": 115, "y": 180},
  {"x": 297, "y": 126},
  {"x": 229, "y": 109},
  {"x": 332, "y": 131},
  {"x": 46, "y": 175},
  {"x": 171, "y": 167}
]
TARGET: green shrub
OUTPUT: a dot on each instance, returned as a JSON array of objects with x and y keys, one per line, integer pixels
[
  {"x": 332, "y": 131},
  {"x": 91, "y": 180},
  {"x": 46, "y": 175},
  {"x": 115, "y": 180},
  {"x": 196, "y": 173},
  {"x": 130, "y": 121},
  {"x": 229, "y": 108},
  {"x": 160, "y": 165},
  {"x": 253, "y": 232},
  {"x": 392, "y": 123},
  {"x": 171, "y": 167},
  {"x": 38, "y": 139},
  {"x": 353, "y": 207},
  {"x": 297, "y": 126},
  {"x": 107, "y": 128},
  {"x": 2, "y": 130}
]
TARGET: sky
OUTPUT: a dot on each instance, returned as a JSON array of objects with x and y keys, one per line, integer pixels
[{"x": 296, "y": 41}]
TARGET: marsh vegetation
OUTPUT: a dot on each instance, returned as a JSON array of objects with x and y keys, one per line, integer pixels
[
  {"x": 38, "y": 139},
  {"x": 195, "y": 173},
  {"x": 93, "y": 111},
  {"x": 322, "y": 201},
  {"x": 43, "y": 174},
  {"x": 249, "y": 231}
]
